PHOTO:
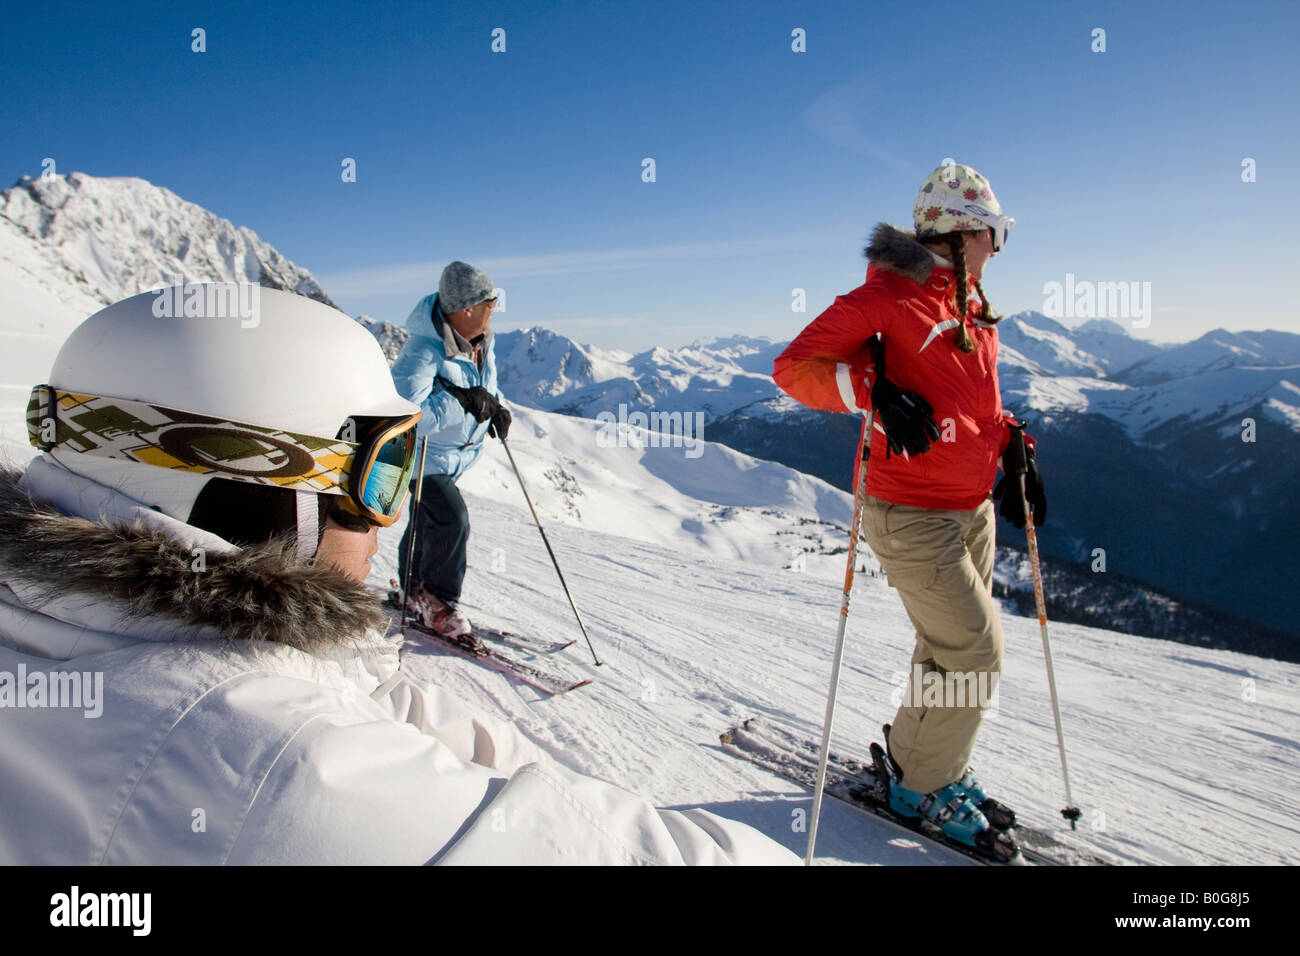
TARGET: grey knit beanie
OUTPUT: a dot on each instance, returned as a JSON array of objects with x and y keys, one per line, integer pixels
[{"x": 462, "y": 285}]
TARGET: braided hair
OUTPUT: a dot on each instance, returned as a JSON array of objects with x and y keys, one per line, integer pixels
[{"x": 957, "y": 255}]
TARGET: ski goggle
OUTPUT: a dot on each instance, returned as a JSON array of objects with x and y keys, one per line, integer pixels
[
  {"x": 372, "y": 474},
  {"x": 380, "y": 476},
  {"x": 998, "y": 224}
]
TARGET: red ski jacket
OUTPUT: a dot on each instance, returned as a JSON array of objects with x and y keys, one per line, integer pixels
[{"x": 909, "y": 298}]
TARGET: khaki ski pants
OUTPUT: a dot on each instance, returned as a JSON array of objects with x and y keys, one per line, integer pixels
[{"x": 941, "y": 563}]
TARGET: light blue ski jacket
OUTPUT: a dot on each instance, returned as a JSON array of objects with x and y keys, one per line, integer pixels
[{"x": 435, "y": 351}]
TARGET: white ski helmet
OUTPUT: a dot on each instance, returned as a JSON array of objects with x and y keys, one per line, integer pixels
[{"x": 218, "y": 352}]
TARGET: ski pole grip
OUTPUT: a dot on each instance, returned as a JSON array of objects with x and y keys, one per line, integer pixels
[
  {"x": 877, "y": 346},
  {"x": 1013, "y": 458}
]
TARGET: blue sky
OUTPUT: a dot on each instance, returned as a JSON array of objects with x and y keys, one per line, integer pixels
[{"x": 771, "y": 165}]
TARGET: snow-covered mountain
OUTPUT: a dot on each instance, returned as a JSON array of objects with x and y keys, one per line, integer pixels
[
  {"x": 1045, "y": 369},
  {"x": 1216, "y": 351},
  {"x": 1138, "y": 438},
  {"x": 1180, "y": 462},
  {"x": 118, "y": 236},
  {"x": 390, "y": 335},
  {"x": 72, "y": 244},
  {"x": 1219, "y": 377},
  {"x": 542, "y": 369}
]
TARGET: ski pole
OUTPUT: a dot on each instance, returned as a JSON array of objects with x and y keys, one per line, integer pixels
[
  {"x": 413, "y": 523},
  {"x": 859, "y": 496},
  {"x": 1015, "y": 462},
  {"x": 558, "y": 572}
]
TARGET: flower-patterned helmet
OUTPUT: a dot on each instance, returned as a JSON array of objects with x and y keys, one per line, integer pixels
[{"x": 956, "y": 198}]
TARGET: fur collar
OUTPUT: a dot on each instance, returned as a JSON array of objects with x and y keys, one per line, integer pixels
[
  {"x": 892, "y": 248},
  {"x": 255, "y": 594}
]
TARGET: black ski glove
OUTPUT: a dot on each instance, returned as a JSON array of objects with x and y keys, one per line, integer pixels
[
  {"x": 906, "y": 417},
  {"x": 476, "y": 401},
  {"x": 500, "y": 426},
  {"x": 1020, "y": 458}
]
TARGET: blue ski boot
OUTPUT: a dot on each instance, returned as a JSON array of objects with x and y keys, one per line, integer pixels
[
  {"x": 948, "y": 810},
  {"x": 999, "y": 815}
]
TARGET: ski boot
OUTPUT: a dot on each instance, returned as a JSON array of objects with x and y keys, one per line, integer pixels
[
  {"x": 445, "y": 620},
  {"x": 999, "y": 815},
  {"x": 947, "y": 810}
]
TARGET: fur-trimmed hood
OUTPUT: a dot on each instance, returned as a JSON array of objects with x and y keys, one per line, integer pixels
[
  {"x": 900, "y": 251},
  {"x": 256, "y": 593}
]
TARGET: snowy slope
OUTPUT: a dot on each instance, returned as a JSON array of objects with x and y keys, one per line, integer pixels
[
  {"x": 1171, "y": 759},
  {"x": 39, "y": 306},
  {"x": 719, "y": 504}
]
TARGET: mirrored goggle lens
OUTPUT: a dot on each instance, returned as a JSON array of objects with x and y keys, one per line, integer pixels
[{"x": 385, "y": 485}]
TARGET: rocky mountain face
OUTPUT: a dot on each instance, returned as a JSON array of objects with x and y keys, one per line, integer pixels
[{"x": 114, "y": 237}]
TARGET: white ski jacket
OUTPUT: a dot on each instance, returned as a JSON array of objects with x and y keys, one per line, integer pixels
[{"x": 166, "y": 698}]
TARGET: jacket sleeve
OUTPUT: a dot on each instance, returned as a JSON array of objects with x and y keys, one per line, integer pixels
[
  {"x": 350, "y": 790},
  {"x": 441, "y": 411},
  {"x": 415, "y": 376},
  {"x": 828, "y": 364},
  {"x": 415, "y": 368},
  {"x": 473, "y": 738}
]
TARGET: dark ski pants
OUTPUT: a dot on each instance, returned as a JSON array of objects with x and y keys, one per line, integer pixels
[
  {"x": 442, "y": 523},
  {"x": 941, "y": 564}
]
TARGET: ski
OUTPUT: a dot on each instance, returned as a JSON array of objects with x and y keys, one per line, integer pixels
[
  {"x": 854, "y": 782},
  {"x": 523, "y": 643},
  {"x": 540, "y": 680}
]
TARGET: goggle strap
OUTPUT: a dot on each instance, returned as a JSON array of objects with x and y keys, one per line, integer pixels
[
  {"x": 164, "y": 437},
  {"x": 970, "y": 208},
  {"x": 308, "y": 525}
]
